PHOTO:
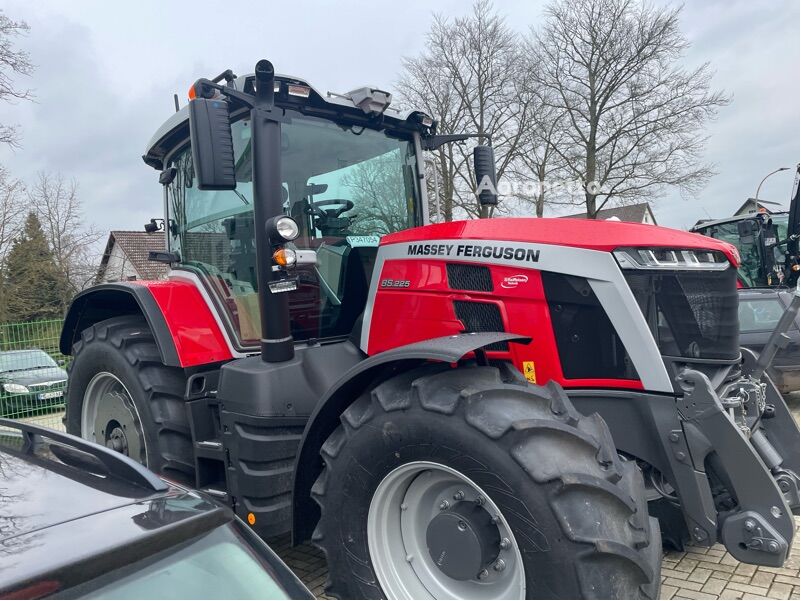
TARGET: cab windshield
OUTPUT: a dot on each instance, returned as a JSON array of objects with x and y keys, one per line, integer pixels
[{"x": 345, "y": 186}]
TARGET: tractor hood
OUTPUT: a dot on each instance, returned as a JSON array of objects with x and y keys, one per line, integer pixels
[{"x": 579, "y": 233}]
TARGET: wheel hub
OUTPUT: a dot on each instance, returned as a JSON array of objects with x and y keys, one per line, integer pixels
[
  {"x": 116, "y": 427},
  {"x": 116, "y": 439},
  {"x": 433, "y": 533},
  {"x": 463, "y": 540}
]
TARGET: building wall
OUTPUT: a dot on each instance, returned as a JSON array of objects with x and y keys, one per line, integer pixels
[{"x": 119, "y": 268}]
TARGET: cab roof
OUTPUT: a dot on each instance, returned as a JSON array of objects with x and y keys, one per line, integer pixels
[
  {"x": 175, "y": 129},
  {"x": 705, "y": 223}
]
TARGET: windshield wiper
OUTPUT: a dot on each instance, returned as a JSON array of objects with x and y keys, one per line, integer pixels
[{"x": 240, "y": 195}]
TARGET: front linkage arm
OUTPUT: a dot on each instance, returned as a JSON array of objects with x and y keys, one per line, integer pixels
[{"x": 759, "y": 530}]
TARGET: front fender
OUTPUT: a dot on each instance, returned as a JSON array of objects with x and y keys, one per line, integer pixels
[
  {"x": 183, "y": 325},
  {"x": 325, "y": 417}
]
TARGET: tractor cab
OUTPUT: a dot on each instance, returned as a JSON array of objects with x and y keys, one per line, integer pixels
[
  {"x": 761, "y": 239},
  {"x": 348, "y": 176}
]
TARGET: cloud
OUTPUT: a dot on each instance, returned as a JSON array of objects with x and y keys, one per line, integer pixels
[{"x": 86, "y": 128}]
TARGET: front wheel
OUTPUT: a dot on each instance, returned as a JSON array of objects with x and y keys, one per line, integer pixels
[
  {"x": 120, "y": 395},
  {"x": 470, "y": 483}
]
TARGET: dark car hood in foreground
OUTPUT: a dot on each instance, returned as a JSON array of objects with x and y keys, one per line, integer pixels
[
  {"x": 34, "y": 377},
  {"x": 34, "y": 496},
  {"x": 53, "y": 519}
]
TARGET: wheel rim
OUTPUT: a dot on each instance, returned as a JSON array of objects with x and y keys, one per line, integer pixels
[
  {"x": 109, "y": 417},
  {"x": 422, "y": 502}
]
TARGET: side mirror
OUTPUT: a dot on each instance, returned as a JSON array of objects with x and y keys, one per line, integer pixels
[
  {"x": 484, "y": 167},
  {"x": 745, "y": 230},
  {"x": 212, "y": 144}
]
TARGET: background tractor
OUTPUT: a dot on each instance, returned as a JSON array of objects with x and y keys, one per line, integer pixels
[
  {"x": 453, "y": 410},
  {"x": 767, "y": 279},
  {"x": 767, "y": 243}
]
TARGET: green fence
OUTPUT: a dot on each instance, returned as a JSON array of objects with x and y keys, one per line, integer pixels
[{"x": 33, "y": 373}]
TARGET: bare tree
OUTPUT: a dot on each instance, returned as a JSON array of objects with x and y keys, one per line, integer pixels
[
  {"x": 635, "y": 119},
  {"x": 542, "y": 131},
  {"x": 467, "y": 77},
  {"x": 381, "y": 194},
  {"x": 12, "y": 62},
  {"x": 426, "y": 85},
  {"x": 71, "y": 239},
  {"x": 12, "y": 217},
  {"x": 12, "y": 211}
]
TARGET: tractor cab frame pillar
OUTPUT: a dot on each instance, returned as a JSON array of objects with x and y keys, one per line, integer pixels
[{"x": 276, "y": 337}]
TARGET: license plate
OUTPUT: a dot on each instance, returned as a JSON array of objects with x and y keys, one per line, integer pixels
[{"x": 50, "y": 395}]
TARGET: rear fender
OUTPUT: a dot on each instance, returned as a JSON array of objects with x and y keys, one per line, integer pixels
[
  {"x": 185, "y": 328},
  {"x": 325, "y": 418}
]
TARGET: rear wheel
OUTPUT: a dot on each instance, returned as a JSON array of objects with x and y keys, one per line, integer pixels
[
  {"x": 471, "y": 483},
  {"x": 120, "y": 394}
]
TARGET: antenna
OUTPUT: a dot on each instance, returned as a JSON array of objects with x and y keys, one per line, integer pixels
[{"x": 177, "y": 105}]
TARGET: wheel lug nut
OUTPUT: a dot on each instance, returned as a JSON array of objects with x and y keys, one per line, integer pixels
[
  {"x": 500, "y": 565},
  {"x": 495, "y": 519},
  {"x": 483, "y": 574},
  {"x": 505, "y": 543},
  {"x": 479, "y": 500},
  {"x": 444, "y": 505},
  {"x": 458, "y": 495}
]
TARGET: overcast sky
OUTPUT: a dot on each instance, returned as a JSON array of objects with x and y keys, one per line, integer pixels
[{"x": 106, "y": 73}]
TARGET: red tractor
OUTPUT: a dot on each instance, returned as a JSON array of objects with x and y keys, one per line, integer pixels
[{"x": 479, "y": 409}]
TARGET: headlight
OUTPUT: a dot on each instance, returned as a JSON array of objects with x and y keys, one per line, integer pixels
[
  {"x": 671, "y": 259},
  {"x": 287, "y": 228},
  {"x": 16, "y": 388}
]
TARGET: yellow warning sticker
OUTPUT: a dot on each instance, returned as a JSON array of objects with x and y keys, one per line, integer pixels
[{"x": 528, "y": 371}]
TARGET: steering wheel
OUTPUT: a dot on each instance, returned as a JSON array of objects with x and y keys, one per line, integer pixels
[{"x": 341, "y": 206}]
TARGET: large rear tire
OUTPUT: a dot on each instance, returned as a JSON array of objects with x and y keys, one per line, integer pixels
[
  {"x": 440, "y": 468},
  {"x": 121, "y": 395}
]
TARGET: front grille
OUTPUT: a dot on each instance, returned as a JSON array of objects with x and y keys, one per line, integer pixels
[
  {"x": 47, "y": 385},
  {"x": 481, "y": 317},
  {"x": 587, "y": 342},
  {"x": 476, "y": 278},
  {"x": 692, "y": 314}
]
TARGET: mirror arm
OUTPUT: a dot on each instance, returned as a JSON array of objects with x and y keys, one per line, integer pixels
[
  {"x": 203, "y": 85},
  {"x": 434, "y": 142}
]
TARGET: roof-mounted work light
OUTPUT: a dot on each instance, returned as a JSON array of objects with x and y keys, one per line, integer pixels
[{"x": 370, "y": 100}]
